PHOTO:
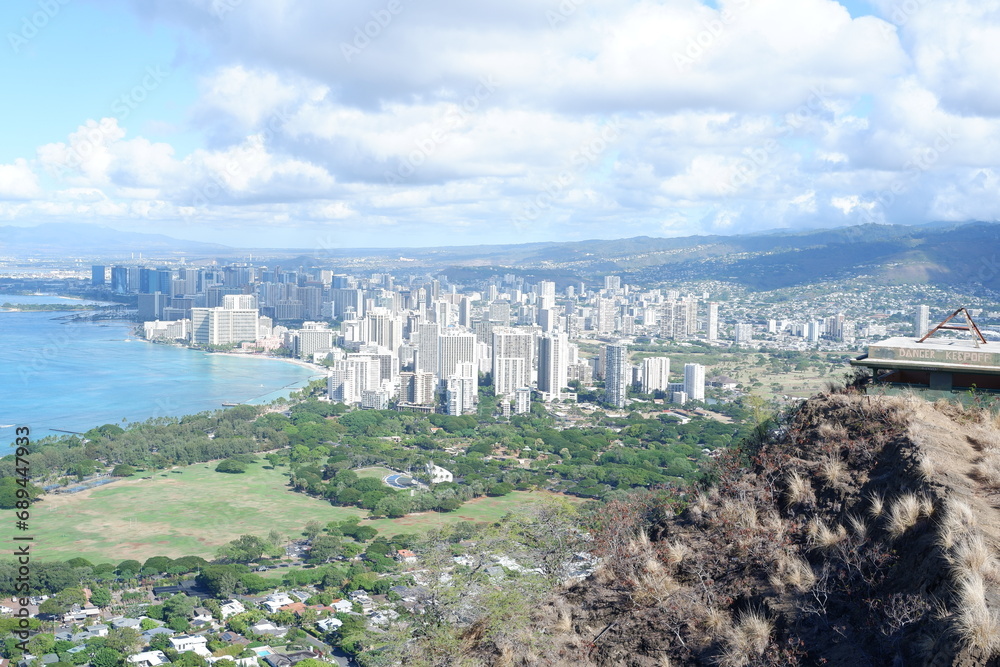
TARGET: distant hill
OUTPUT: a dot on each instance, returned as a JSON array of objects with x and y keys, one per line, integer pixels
[
  {"x": 55, "y": 240},
  {"x": 955, "y": 255}
]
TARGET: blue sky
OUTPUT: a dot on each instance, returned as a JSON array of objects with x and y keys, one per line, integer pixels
[{"x": 267, "y": 123}]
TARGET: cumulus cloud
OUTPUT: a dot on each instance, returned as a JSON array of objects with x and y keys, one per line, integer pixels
[{"x": 565, "y": 119}]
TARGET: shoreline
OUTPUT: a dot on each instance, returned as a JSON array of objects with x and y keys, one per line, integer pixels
[{"x": 320, "y": 370}]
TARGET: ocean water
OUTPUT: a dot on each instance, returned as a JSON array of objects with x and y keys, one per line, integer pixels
[{"x": 67, "y": 376}]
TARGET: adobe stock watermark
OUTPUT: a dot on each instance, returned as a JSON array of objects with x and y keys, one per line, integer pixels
[
  {"x": 371, "y": 30},
  {"x": 756, "y": 158},
  {"x": 424, "y": 148},
  {"x": 586, "y": 155},
  {"x": 47, "y": 352},
  {"x": 698, "y": 45},
  {"x": 32, "y": 24},
  {"x": 900, "y": 15},
  {"x": 563, "y": 12},
  {"x": 221, "y": 8},
  {"x": 923, "y": 160},
  {"x": 97, "y": 133},
  {"x": 218, "y": 183}
]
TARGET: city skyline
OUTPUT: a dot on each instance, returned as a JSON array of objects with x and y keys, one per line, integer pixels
[{"x": 536, "y": 121}]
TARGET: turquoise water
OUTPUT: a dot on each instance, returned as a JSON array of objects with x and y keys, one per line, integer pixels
[{"x": 66, "y": 376}]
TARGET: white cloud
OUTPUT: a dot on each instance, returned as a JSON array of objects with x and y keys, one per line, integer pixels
[
  {"x": 457, "y": 117},
  {"x": 18, "y": 181}
]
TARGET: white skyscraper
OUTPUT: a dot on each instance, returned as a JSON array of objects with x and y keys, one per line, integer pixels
[
  {"x": 921, "y": 321},
  {"x": 655, "y": 374},
  {"x": 509, "y": 374},
  {"x": 694, "y": 381},
  {"x": 350, "y": 377},
  {"x": 744, "y": 333},
  {"x": 617, "y": 374},
  {"x": 427, "y": 346},
  {"x": 553, "y": 358},
  {"x": 813, "y": 331},
  {"x": 713, "y": 321},
  {"x": 511, "y": 345},
  {"x": 225, "y": 326},
  {"x": 462, "y": 390},
  {"x": 239, "y": 302},
  {"x": 454, "y": 348}
]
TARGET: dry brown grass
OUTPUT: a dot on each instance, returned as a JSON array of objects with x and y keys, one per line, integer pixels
[
  {"x": 857, "y": 526},
  {"x": 798, "y": 489},
  {"x": 833, "y": 470},
  {"x": 715, "y": 621},
  {"x": 822, "y": 536},
  {"x": 742, "y": 513},
  {"x": 988, "y": 469},
  {"x": 904, "y": 514},
  {"x": 835, "y": 432},
  {"x": 926, "y": 468},
  {"x": 972, "y": 554},
  {"x": 793, "y": 571},
  {"x": 747, "y": 640},
  {"x": 564, "y": 620},
  {"x": 876, "y": 506},
  {"x": 653, "y": 584},
  {"x": 675, "y": 552},
  {"x": 976, "y": 623}
]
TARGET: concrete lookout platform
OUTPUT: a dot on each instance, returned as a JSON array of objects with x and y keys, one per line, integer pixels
[{"x": 939, "y": 364}]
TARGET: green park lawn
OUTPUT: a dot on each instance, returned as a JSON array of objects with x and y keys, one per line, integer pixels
[
  {"x": 186, "y": 511},
  {"x": 194, "y": 510}
]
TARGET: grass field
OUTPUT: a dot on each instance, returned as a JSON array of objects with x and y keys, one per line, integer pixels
[
  {"x": 188, "y": 511},
  {"x": 374, "y": 473},
  {"x": 194, "y": 510},
  {"x": 481, "y": 509}
]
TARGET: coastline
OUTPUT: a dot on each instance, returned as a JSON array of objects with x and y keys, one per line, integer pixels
[{"x": 320, "y": 370}]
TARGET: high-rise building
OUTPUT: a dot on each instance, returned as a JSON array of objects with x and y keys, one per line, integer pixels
[
  {"x": 417, "y": 388},
  {"x": 239, "y": 302},
  {"x": 814, "y": 330},
  {"x": 612, "y": 282},
  {"x": 383, "y": 329},
  {"x": 231, "y": 324},
  {"x": 350, "y": 378},
  {"x": 509, "y": 375},
  {"x": 454, "y": 348},
  {"x": 97, "y": 278},
  {"x": 522, "y": 401},
  {"x": 462, "y": 390},
  {"x": 465, "y": 312},
  {"x": 694, "y": 381},
  {"x": 151, "y": 306},
  {"x": 428, "y": 334},
  {"x": 713, "y": 321},
  {"x": 500, "y": 312},
  {"x": 617, "y": 374},
  {"x": 921, "y": 321},
  {"x": 655, "y": 374},
  {"x": 743, "y": 333},
  {"x": 607, "y": 309},
  {"x": 553, "y": 359},
  {"x": 119, "y": 279},
  {"x": 509, "y": 345},
  {"x": 310, "y": 341}
]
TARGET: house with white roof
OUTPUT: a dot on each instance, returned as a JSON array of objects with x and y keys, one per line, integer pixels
[{"x": 148, "y": 659}]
